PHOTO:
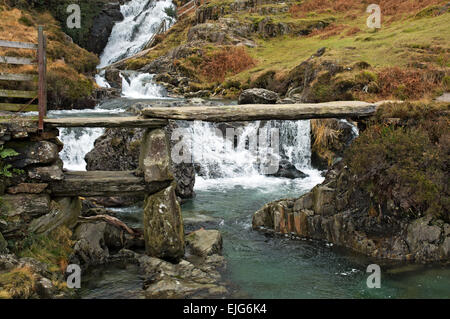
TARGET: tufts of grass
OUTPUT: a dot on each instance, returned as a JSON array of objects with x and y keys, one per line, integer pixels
[
  {"x": 18, "y": 283},
  {"x": 53, "y": 249}
]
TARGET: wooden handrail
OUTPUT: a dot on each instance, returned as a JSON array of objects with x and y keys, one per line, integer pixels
[
  {"x": 41, "y": 93},
  {"x": 18, "y": 45}
]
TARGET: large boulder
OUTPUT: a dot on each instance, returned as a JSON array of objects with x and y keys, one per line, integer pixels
[
  {"x": 32, "y": 205},
  {"x": 17, "y": 211},
  {"x": 165, "y": 280},
  {"x": 258, "y": 96},
  {"x": 163, "y": 225},
  {"x": 93, "y": 243}
]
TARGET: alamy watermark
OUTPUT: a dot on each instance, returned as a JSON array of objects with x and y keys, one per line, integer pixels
[
  {"x": 374, "y": 20},
  {"x": 262, "y": 144},
  {"x": 74, "y": 18},
  {"x": 74, "y": 279},
  {"x": 374, "y": 280}
]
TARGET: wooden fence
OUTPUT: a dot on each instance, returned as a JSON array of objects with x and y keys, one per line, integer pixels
[{"x": 41, "y": 93}]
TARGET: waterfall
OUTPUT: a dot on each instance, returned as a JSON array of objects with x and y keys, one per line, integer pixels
[
  {"x": 217, "y": 156},
  {"x": 77, "y": 142},
  {"x": 141, "y": 86},
  {"x": 141, "y": 20}
]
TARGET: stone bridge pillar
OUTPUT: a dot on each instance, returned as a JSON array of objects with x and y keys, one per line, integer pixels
[{"x": 163, "y": 223}]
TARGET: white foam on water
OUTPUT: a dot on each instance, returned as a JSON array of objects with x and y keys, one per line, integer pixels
[
  {"x": 77, "y": 143},
  {"x": 223, "y": 166},
  {"x": 141, "y": 86}
]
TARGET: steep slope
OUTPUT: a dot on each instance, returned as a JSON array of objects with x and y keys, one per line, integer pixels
[{"x": 408, "y": 58}]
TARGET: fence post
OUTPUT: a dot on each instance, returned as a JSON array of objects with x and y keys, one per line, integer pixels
[{"x": 42, "y": 69}]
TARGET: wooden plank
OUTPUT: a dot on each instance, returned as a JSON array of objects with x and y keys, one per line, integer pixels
[
  {"x": 10, "y": 107},
  {"x": 107, "y": 122},
  {"x": 17, "y": 93},
  {"x": 16, "y": 60},
  {"x": 254, "y": 112},
  {"x": 104, "y": 183},
  {"x": 17, "y": 77},
  {"x": 18, "y": 45}
]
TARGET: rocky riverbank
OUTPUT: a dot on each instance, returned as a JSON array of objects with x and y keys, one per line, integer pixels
[
  {"x": 375, "y": 201},
  {"x": 41, "y": 233}
]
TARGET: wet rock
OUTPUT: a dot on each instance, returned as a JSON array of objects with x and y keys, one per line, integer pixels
[
  {"x": 183, "y": 280},
  {"x": 94, "y": 241},
  {"x": 258, "y": 96},
  {"x": 205, "y": 242},
  {"x": 42, "y": 152},
  {"x": 163, "y": 225},
  {"x": 324, "y": 200},
  {"x": 288, "y": 170},
  {"x": 332, "y": 213},
  {"x": 102, "y": 26},
  {"x": 113, "y": 77},
  {"x": 64, "y": 211},
  {"x": 424, "y": 239}
]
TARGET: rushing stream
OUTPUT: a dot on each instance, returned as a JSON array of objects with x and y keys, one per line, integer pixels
[
  {"x": 259, "y": 266},
  {"x": 229, "y": 191}
]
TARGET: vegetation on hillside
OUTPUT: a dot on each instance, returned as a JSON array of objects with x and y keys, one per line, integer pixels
[
  {"x": 69, "y": 66},
  {"x": 408, "y": 58},
  {"x": 401, "y": 160}
]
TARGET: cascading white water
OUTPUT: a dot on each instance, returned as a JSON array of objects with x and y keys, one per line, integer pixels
[
  {"x": 141, "y": 86},
  {"x": 141, "y": 20},
  {"x": 77, "y": 142},
  {"x": 218, "y": 156}
]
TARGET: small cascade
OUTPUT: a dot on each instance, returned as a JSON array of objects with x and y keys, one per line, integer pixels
[
  {"x": 141, "y": 86},
  {"x": 142, "y": 19},
  {"x": 77, "y": 143},
  {"x": 219, "y": 157}
]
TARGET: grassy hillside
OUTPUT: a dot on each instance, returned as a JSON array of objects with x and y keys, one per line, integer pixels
[{"x": 408, "y": 58}]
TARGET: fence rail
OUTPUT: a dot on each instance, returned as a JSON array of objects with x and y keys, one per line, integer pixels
[{"x": 41, "y": 92}]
